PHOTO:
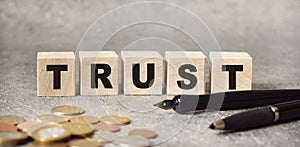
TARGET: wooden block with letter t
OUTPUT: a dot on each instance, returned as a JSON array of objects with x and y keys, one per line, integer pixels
[
  {"x": 142, "y": 72},
  {"x": 230, "y": 71},
  {"x": 185, "y": 72},
  {"x": 56, "y": 74},
  {"x": 98, "y": 73}
]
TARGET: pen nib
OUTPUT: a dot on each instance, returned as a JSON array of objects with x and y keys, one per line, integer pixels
[{"x": 166, "y": 104}]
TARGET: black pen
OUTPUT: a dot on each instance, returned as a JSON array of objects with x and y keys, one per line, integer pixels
[
  {"x": 228, "y": 100},
  {"x": 277, "y": 113}
]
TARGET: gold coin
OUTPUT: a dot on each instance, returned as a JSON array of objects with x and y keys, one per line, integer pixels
[
  {"x": 11, "y": 138},
  {"x": 50, "y": 133},
  {"x": 67, "y": 110},
  {"x": 11, "y": 119},
  {"x": 51, "y": 118},
  {"x": 115, "y": 120},
  {"x": 50, "y": 144},
  {"x": 86, "y": 142},
  {"x": 143, "y": 132},
  {"x": 79, "y": 128}
]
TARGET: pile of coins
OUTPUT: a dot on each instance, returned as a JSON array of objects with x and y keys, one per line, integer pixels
[{"x": 66, "y": 126}]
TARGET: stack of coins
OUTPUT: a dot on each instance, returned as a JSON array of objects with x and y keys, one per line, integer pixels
[
  {"x": 67, "y": 126},
  {"x": 9, "y": 135}
]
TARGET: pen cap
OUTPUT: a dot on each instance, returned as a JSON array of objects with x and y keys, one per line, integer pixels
[{"x": 288, "y": 111}]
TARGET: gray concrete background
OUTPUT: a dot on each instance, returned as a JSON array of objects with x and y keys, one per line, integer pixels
[{"x": 268, "y": 30}]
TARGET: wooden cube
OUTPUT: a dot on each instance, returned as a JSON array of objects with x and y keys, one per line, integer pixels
[
  {"x": 230, "y": 71},
  {"x": 142, "y": 72},
  {"x": 185, "y": 72},
  {"x": 56, "y": 74},
  {"x": 98, "y": 73}
]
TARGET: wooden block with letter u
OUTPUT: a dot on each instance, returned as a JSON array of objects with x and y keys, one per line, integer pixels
[
  {"x": 230, "y": 71},
  {"x": 98, "y": 73},
  {"x": 185, "y": 72},
  {"x": 142, "y": 72},
  {"x": 56, "y": 74}
]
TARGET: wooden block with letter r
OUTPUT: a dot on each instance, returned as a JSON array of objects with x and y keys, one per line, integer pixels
[
  {"x": 185, "y": 72},
  {"x": 142, "y": 72},
  {"x": 230, "y": 71},
  {"x": 55, "y": 74},
  {"x": 98, "y": 73}
]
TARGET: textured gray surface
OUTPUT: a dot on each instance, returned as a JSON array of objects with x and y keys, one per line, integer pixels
[{"x": 268, "y": 30}]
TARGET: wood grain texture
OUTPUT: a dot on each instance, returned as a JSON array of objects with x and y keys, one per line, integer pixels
[
  {"x": 94, "y": 57},
  {"x": 176, "y": 59},
  {"x": 143, "y": 58},
  {"x": 219, "y": 79},
  {"x": 45, "y": 78}
]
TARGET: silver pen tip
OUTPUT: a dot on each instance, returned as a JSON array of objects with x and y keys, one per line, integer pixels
[{"x": 166, "y": 104}]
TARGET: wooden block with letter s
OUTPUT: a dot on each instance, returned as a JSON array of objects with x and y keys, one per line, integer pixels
[
  {"x": 56, "y": 74},
  {"x": 142, "y": 72},
  {"x": 185, "y": 72},
  {"x": 98, "y": 73},
  {"x": 230, "y": 71}
]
